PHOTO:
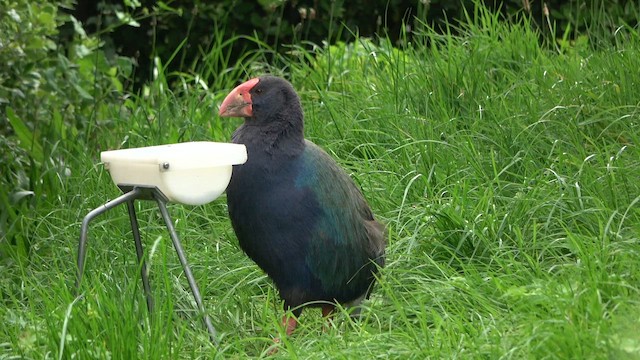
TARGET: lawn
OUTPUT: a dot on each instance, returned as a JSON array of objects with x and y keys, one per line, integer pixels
[{"x": 505, "y": 167}]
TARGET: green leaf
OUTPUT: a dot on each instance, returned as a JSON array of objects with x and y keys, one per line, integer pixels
[
  {"x": 132, "y": 3},
  {"x": 166, "y": 7},
  {"x": 26, "y": 137},
  {"x": 83, "y": 93},
  {"x": 127, "y": 19},
  {"x": 19, "y": 195},
  {"x": 77, "y": 27},
  {"x": 58, "y": 125}
]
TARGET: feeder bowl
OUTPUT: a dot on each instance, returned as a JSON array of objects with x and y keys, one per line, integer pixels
[{"x": 192, "y": 173}]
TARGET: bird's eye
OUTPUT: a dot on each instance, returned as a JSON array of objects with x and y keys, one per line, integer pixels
[{"x": 258, "y": 91}]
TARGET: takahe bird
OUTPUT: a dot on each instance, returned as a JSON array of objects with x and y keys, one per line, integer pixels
[{"x": 295, "y": 212}]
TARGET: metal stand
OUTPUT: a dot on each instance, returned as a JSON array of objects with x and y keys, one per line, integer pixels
[{"x": 129, "y": 197}]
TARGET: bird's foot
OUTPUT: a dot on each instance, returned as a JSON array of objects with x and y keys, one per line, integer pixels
[
  {"x": 289, "y": 323},
  {"x": 328, "y": 311},
  {"x": 273, "y": 349}
]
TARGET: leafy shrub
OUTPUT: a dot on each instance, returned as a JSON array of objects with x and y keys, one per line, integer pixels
[{"x": 49, "y": 96}]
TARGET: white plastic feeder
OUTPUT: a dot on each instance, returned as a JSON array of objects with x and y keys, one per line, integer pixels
[{"x": 191, "y": 173}]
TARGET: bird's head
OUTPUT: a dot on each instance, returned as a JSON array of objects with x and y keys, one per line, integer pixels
[{"x": 263, "y": 100}]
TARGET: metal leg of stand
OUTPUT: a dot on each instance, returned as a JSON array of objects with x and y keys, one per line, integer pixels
[
  {"x": 82, "y": 246},
  {"x": 185, "y": 266},
  {"x": 135, "y": 229}
]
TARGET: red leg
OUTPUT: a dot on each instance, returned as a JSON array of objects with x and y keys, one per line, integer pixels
[{"x": 327, "y": 313}]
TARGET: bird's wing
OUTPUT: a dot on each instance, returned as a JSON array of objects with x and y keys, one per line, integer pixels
[{"x": 347, "y": 242}]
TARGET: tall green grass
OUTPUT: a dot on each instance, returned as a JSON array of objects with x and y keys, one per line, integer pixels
[{"x": 505, "y": 168}]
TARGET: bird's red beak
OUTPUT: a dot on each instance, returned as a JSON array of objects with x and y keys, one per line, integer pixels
[{"x": 238, "y": 102}]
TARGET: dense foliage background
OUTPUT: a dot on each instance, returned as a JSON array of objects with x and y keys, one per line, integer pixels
[
  {"x": 498, "y": 141},
  {"x": 161, "y": 28}
]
